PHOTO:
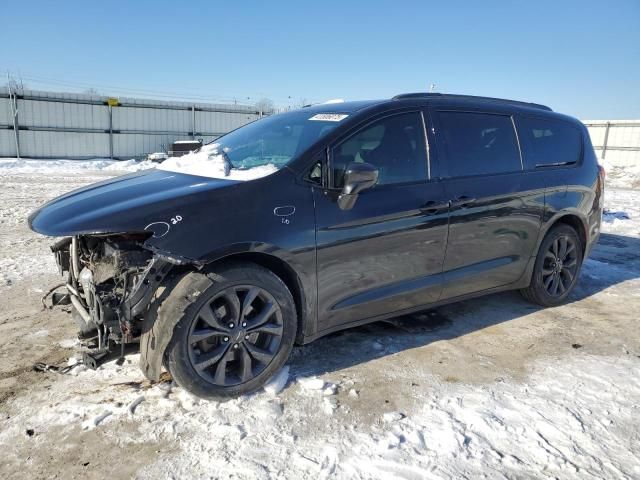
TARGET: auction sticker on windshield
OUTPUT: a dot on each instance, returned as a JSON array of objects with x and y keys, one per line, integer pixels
[{"x": 329, "y": 117}]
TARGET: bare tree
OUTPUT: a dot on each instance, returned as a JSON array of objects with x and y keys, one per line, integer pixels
[
  {"x": 16, "y": 85},
  {"x": 265, "y": 105}
]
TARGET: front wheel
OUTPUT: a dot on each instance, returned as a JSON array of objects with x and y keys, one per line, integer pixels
[
  {"x": 235, "y": 335},
  {"x": 557, "y": 267}
]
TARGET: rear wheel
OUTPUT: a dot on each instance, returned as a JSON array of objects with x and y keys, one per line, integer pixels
[
  {"x": 235, "y": 335},
  {"x": 557, "y": 267}
]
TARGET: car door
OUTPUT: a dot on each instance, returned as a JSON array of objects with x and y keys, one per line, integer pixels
[
  {"x": 386, "y": 253},
  {"x": 495, "y": 208}
]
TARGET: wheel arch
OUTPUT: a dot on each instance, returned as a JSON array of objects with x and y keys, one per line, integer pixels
[
  {"x": 572, "y": 219},
  {"x": 155, "y": 335},
  {"x": 279, "y": 267}
]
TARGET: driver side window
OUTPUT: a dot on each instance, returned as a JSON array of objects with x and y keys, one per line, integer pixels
[{"x": 395, "y": 145}]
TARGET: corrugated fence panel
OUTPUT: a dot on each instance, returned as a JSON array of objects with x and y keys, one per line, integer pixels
[
  {"x": 151, "y": 119},
  {"x": 70, "y": 125},
  {"x": 212, "y": 122},
  {"x": 5, "y": 112},
  {"x": 38, "y": 113},
  {"x": 207, "y": 139},
  {"x": 63, "y": 144},
  {"x": 7, "y": 144},
  {"x": 134, "y": 145}
]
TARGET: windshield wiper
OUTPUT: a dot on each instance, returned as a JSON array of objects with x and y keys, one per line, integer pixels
[{"x": 227, "y": 163}]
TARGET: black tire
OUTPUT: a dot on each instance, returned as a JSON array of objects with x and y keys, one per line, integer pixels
[
  {"x": 557, "y": 265},
  {"x": 206, "y": 305}
]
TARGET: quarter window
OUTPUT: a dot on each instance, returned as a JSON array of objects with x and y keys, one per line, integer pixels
[
  {"x": 548, "y": 142},
  {"x": 478, "y": 143},
  {"x": 394, "y": 145}
]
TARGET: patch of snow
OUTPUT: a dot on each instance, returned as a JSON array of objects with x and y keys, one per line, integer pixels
[
  {"x": 572, "y": 416},
  {"x": 209, "y": 163},
  {"x": 330, "y": 389},
  {"x": 40, "y": 333},
  {"x": 95, "y": 421},
  {"x": 620, "y": 175},
  {"x": 278, "y": 381},
  {"x": 311, "y": 383},
  {"x": 70, "y": 343},
  {"x": 57, "y": 166},
  {"x": 134, "y": 404},
  {"x": 329, "y": 405},
  {"x": 390, "y": 417},
  {"x": 612, "y": 216},
  {"x": 73, "y": 361},
  {"x": 130, "y": 166},
  {"x": 622, "y": 212},
  {"x": 157, "y": 156}
]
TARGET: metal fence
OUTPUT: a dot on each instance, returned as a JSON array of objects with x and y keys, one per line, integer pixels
[
  {"x": 36, "y": 124},
  {"x": 616, "y": 140}
]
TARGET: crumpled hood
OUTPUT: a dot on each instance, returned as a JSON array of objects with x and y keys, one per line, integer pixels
[{"x": 151, "y": 200}]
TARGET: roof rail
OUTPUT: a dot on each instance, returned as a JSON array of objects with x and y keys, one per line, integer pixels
[{"x": 403, "y": 96}]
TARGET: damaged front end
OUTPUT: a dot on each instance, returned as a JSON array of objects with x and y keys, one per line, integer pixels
[{"x": 111, "y": 280}]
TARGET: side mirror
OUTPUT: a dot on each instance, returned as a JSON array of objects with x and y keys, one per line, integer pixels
[{"x": 357, "y": 177}]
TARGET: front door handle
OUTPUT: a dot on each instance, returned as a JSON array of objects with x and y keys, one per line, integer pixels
[
  {"x": 432, "y": 207},
  {"x": 462, "y": 201}
]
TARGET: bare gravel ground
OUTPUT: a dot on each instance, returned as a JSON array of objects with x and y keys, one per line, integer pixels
[{"x": 493, "y": 386}]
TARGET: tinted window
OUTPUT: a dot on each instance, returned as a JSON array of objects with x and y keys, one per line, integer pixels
[
  {"x": 478, "y": 143},
  {"x": 395, "y": 145},
  {"x": 548, "y": 142}
]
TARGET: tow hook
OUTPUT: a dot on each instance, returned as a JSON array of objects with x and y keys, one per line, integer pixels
[{"x": 94, "y": 359}]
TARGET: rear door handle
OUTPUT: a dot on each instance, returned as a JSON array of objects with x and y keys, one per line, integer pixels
[
  {"x": 462, "y": 201},
  {"x": 432, "y": 207}
]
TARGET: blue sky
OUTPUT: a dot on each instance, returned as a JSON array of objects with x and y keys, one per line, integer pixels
[{"x": 581, "y": 57}]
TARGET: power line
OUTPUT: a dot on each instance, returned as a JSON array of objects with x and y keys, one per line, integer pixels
[{"x": 238, "y": 99}]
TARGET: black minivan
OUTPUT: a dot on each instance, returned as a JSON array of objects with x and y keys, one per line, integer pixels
[{"x": 319, "y": 219}]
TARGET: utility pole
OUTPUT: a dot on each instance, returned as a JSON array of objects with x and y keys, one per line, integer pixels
[{"x": 13, "y": 103}]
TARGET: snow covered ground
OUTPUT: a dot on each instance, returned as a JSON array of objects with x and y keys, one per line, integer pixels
[
  {"x": 12, "y": 166},
  {"x": 621, "y": 175},
  {"x": 492, "y": 388}
]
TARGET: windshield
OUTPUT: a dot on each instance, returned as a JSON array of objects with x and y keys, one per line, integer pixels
[
  {"x": 259, "y": 148},
  {"x": 273, "y": 140}
]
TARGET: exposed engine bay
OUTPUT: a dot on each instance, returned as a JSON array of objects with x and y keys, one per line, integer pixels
[{"x": 111, "y": 280}]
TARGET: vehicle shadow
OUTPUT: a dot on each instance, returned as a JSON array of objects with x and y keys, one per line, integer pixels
[{"x": 614, "y": 260}]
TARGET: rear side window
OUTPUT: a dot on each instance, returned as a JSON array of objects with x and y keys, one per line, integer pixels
[
  {"x": 478, "y": 143},
  {"x": 549, "y": 142}
]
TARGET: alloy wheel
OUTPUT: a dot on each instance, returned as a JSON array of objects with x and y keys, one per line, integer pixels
[
  {"x": 560, "y": 266},
  {"x": 235, "y": 335}
]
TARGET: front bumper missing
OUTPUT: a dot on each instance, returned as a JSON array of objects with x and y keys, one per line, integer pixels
[{"x": 107, "y": 323}]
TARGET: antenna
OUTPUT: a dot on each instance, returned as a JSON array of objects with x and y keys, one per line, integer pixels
[{"x": 432, "y": 87}]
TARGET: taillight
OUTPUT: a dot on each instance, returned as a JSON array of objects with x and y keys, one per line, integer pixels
[{"x": 602, "y": 172}]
